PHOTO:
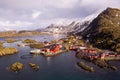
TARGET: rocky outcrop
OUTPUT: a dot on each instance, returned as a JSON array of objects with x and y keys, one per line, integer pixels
[
  {"x": 11, "y": 40},
  {"x": 34, "y": 66},
  {"x": 7, "y": 51},
  {"x": 29, "y": 41},
  {"x": 17, "y": 66},
  {"x": 85, "y": 67}
]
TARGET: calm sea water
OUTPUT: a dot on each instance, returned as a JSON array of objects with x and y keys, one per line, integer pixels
[{"x": 60, "y": 67}]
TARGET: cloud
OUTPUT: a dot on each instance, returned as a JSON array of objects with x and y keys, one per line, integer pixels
[
  {"x": 41, "y": 13},
  {"x": 16, "y": 24},
  {"x": 36, "y": 14},
  {"x": 86, "y": 3},
  {"x": 99, "y": 4},
  {"x": 28, "y": 4},
  {"x": 61, "y": 3}
]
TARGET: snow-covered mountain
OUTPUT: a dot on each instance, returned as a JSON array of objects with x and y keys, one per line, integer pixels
[{"x": 73, "y": 27}]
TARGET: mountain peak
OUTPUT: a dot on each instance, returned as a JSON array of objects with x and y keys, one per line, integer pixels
[
  {"x": 108, "y": 18},
  {"x": 104, "y": 30}
]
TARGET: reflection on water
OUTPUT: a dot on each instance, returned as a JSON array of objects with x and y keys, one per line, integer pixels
[{"x": 48, "y": 60}]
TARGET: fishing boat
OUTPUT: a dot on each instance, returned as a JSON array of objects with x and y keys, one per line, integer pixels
[{"x": 35, "y": 51}]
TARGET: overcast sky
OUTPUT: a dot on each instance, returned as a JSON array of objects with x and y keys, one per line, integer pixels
[{"x": 33, "y": 14}]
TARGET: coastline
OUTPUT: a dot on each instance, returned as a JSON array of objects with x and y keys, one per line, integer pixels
[
  {"x": 66, "y": 60},
  {"x": 20, "y": 34}
]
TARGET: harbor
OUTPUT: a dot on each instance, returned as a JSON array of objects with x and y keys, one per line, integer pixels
[{"x": 53, "y": 62}]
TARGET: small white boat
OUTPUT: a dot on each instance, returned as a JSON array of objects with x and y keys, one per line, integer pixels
[
  {"x": 35, "y": 51},
  {"x": 82, "y": 47}
]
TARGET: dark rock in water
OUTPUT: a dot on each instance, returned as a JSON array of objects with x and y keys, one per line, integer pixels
[
  {"x": 114, "y": 68},
  {"x": 34, "y": 66},
  {"x": 85, "y": 67},
  {"x": 27, "y": 56},
  {"x": 101, "y": 63}
]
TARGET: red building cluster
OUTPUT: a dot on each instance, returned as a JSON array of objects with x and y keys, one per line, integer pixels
[{"x": 53, "y": 48}]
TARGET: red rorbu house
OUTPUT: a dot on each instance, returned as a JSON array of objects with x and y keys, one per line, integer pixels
[
  {"x": 89, "y": 53},
  {"x": 55, "y": 49},
  {"x": 75, "y": 48},
  {"x": 111, "y": 54}
]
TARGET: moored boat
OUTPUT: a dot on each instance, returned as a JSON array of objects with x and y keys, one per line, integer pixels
[{"x": 35, "y": 51}]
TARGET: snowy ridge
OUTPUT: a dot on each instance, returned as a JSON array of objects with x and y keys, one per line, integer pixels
[{"x": 74, "y": 27}]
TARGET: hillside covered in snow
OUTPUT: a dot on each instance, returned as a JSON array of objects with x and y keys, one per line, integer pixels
[{"x": 73, "y": 27}]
